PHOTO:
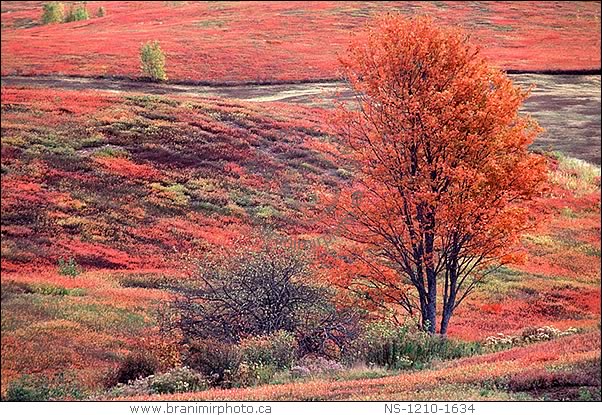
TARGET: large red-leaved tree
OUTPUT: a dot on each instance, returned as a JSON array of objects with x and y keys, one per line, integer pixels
[{"x": 444, "y": 168}]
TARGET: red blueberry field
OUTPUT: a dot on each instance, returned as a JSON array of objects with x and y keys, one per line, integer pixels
[
  {"x": 179, "y": 223},
  {"x": 282, "y": 41}
]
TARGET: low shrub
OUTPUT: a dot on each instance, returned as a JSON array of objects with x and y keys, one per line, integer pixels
[
  {"x": 545, "y": 333},
  {"x": 53, "y": 12},
  {"x": 177, "y": 380},
  {"x": 254, "y": 293},
  {"x": 145, "y": 280},
  {"x": 363, "y": 372},
  {"x": 266, "y": 212},
  {"x": 134, "y": 366},
  {"x": 110, "y": 151},
  {"x": 527, "y": 336},
  {"x": 254, "y": 361},
  {"x": 69, "y": 267},
  {"x": 405, "y": 347},
  {"x": 48, "y": 289},
  {"x": 152, "y": 61},
  {"x": 298, "y": 372},
  {"x": 253, "y": 374},
  {"x": 40, "y": 388},
  {"x": 218, "y": 361},
  {"x": 28, "y": 388},
  {"x": 278, "y": 349},
  {"x": 165, "y": 349},
  {"x": 344, "y": 174},
  {"x": 174, "y": 195},
  {"x": 77, "y": 12},
  {"x": 316, "y": 366}
]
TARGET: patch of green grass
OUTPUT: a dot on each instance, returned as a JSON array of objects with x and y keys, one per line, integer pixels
[
  {"x": 455, "y": 392},
  {"x": 111, "y": 151},
  {"x": 43, "y": 143},
  {"x": 568, "y": 213},
  {"x": 130, "y": 130},
  {"x": 22, "y": 310},
  {"x": 89, "y": 142},
  {"x": 13, "y": 140},
  {"x": 359, "y": 372},
  {"x": 500, "y": 282},
  {"x": 209, "y": 207},
  {"x": 589, "y": 394},
  {"x": 502, "y": 28},
  {"x": 507, "y": 274},
  {"x": 38, "y": 388},
  {"x": 175, "y": 3},
  {"x": 100, "y": 317},
  {"x": 569, "y": 239},
  {"x": 69, "y": 267},
  {"x": 576, "y": 175},
  {"x": 47, "y": 289},
  {"x": 344, "y": 174},
  {"x": 559, "y": 242},
  {"x": 150, "y": 102},
  {"x": 243, "y": 198},
  {"x": 591, "y": 250},
  {"x": 156, "y": 281},
  {"x": 176, "y": 194},
  {"x": 266, "y": 212}
]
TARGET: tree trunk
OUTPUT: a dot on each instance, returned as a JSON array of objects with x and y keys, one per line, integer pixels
[
  {"x": 432, "y": 299},
  {"x": 450, "y": 296},
  {"x": 447, "y": 313},
  {"x": 431, "y": 316}
]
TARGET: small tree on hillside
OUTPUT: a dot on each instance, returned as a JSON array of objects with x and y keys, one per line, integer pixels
[
  {"x": 53, "y": 12},
  {"x": 100, "y": 12},
  {"x": 444, "y": 162},
  {"x": 152, "y": 61}
]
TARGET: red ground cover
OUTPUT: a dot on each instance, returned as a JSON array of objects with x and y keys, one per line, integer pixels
[
  {"x": 62, "y": 169},
  {"x": 114, "y": 184},
  {"x": 245, "y": 41}
]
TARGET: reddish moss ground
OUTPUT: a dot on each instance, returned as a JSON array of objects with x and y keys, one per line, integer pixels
[
  {"x": 134, "y": 187},
  {"x": 246, "y": 41}
]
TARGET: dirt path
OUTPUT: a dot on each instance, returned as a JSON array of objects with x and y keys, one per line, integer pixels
[
  {"x": 289, "y": 92},
  {"x": 566, "y": 106}
]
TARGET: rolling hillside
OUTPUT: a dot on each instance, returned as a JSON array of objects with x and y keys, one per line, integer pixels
[
  {"x": 228, "y": 42},
  {"x": 133, "y": 188}
]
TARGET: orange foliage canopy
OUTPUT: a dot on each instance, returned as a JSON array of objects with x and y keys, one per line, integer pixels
[{"x": 443, "y": 157}]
